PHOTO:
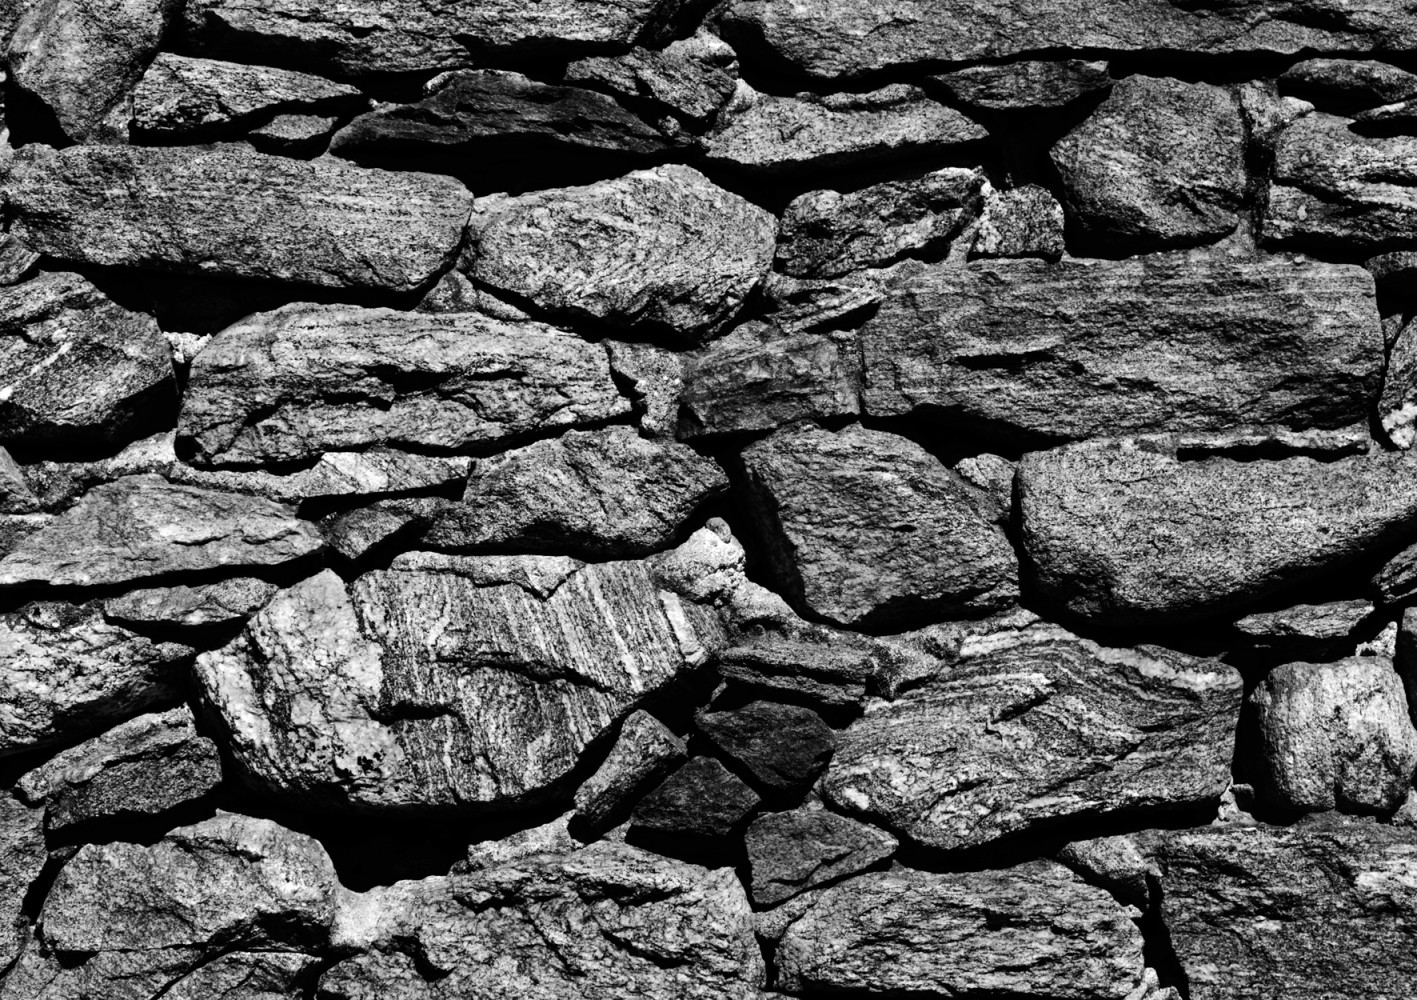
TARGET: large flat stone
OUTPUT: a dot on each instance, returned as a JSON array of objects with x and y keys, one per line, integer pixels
[{"x": 234, "y": 212}]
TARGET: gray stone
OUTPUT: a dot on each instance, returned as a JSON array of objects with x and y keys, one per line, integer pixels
[
  {"x": 1348, "y": 83},
  {"x": 1120, "y": 864},
  {"x": 78, "y": 59},
  {"x": 1120, "y": 535},
  {"x": 16, "y": 260},
  {"x": 766, "y": 134},
  {"x": 16, "y": 497},
  {"x": 1037, "y": 731},
  {"x": 233, "y": 212},
  {"x": 1395, "y": 274},
  {"x": 58, "y": 484},
  {"x": 685, "y": 253},
  {"x": 993, "y": 474},
  {"x": 144, "y": 767},
  {"x": 791, "y": 852},
  {"x": 1397, "y": 406},
  {"x": 76, "y": 368},
  {"x": 690, "y": 79},
  {"x": 69, "y": 674},
  {"x": 374, "y": 473},
  {"x": 486, "y": 113},
  {"x": 356, "y": 534},
  {"x": 1267, "y": 113},
  {"x": 1314, "y": 624},
  {"x": 1029, "y": 931},
  {"x": 1079, "y": 348},
  {"x": 759, "y": 378},
  {"x": 141, "y": 527},
  {"x": 1020, "y": 222},
  {"x": 654, "y": 379},
  {"x": 1024, "y": 86},
  {"x": 1297, "y": 913},
  {"x": 1400, "y": 116},
  {"x": 829, "y": 305},
  {"x": 702, "y": 799},
  {"x": 1397, "y": 580},
  {"x": 292, "y": 384},
  {"x": 22, "y": 857},
  {"x": 825, "y": 666},
  {"x": 293, "y": 135},
  {"x": 1335, "y": 736},
  {"x": 1335, "y": 189},
  {"x": 782, "y": 747},
  {"x": 605, "y": 493},
  {"x": 836, "y": 38},
  {"x": 826, "y": 234},
  {"x": 549, "y": 838},
  {"x": 644, "y": 754},
  {"x": 184, "y": 98},
  {"x": 1159, "y": 164},
  {"x": 868, "y": 527}
]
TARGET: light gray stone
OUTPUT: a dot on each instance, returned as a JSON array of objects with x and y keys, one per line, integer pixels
[
  {"x": 1020, "y": 222},
  {"x": 1026, "y": 85}
]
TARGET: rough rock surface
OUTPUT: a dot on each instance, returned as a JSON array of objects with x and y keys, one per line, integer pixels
[
  {"x": 1160, "y": 164},
  {"x": 1032, "y": 930},
  {"x": 690, "y": 78},
  {"x": 231, "y": 211},
  {"x": 685, "y": 253},
  {"x": 1025, "y": 85},
  {"x": 643, "y": 755},
  {"x": 1335, "y": 735},
  {"x": 1038, "y": 731},
  {"x": 865, "y": 526},
  {"x": 143, "y": 767},
  {"x": 1397, "y": 406},
  {"x": 653, "y": 378},
  {"x": 1025, "y": 221},
  {"x": 22, "y": 856},
  {"x": 141, "y": 527},
  {"x": 791, "y": 852},
  {"x": 602, "y": 493},
  {"x": 701, "y": 799},
  {"x": 823, "y": 666},
  {"x": 1080, "y": 348},
  {"x": 1306, "y": 623},
  {"x": 376, "y": 472},
  {"x": 288, "y": 385},
  {"x": 1349, "y": 82},
  {"x": 1123, "y": 535},
  {"x": 783, "y": 747}
]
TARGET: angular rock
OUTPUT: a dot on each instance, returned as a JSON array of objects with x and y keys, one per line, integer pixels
[
  {"x": 233, "y": 212},
  {"x": 1397, "y": 580},
  {"x": 605, "y": 922},
  {"x": 76, "y": 368},
  {"x": 78, "y": 59},
  {"x": 826, "y": 234},
  {"x": 759, "y": 378},
  {"x": 868, "y": 527},
  {"x": 1337, "y": 190},
  {"x": 829, "y": 305},
  {"x": 69, "y": 673},
  {"x": 376, "y": 472},
  {"x": 1120, "y": 535},
  {"x": 783, "y": 747},
  {"x": 1120, "y": 864},
  {"x": 141, "y": 768},
  {"x": 549, "y": 838},
  {"x": 58, "y": 484},
  {"x": 290, "y": 385},
  {"x": 701, "y": 799},
  {"x": 1335, "y": 736},
  {"x": 1397, "y": 406},
  {"x": 16, "y": 260},
  {"x": 141, "y": 527},
  {"x": 487, "y": 113},
  {"x": 304, "y": 136},
  {"x": 825, "y": 666},
  {"x": 1400, "y": 116},
  {"x": 1024, "y": 86},
  {"x": 1349, "y": 83},
  {"x": 791, "y": 852},
  {"x": 654, "y": 379},
  {"x": 1159, "y": 164},
  {"x": 356, "y": 533},
  {"x": 1266, "y": 912},
  {"x": 16, "y": 497},
  {"x": 455, "y": 681},
  {"x": 605, "y": 493},
  {"x": 1020, "y": 222},
  {"x": 1033, "y": 930},
  {"x": 1075, "y": 349},
  {"x": 1038, "y": 731},
  {"x": 770, "y": 135},
  {"x": 22, "y": 857},
  {"x": 1306, "y": 623},
  {"x": 643, "y": 755},
  {"x": 690, "y": 79},
  {"x": 222, "y": 603},
  {"x": 835, "y": 38},
  {"x": 685, "y": 253}
]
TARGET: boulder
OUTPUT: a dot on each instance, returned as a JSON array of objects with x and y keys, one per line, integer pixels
[
  {"x": 782, "y": 747},
  {"x": 290, "y": 385},
  {"x": 1037, "y": 731},
  {"x": 689, "y": 79},
  {"x": 685, "y": 253},
  {"x": 644, "y": 754},
  {"x": 868, "y": 527},
  {"x": 1125, "y": 536},
  {"x": 791, "y": 852},
  {"x": 1024, "y": 221},
  {"x": 22, "y": 857},
  {"x": 702, "y": 799},
  {"x": 1027, "y": 85},
  {"x": 232, "y": 212},
  {"x": 1079, "y": 348}
]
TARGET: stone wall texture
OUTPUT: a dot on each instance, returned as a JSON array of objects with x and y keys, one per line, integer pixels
[{"x": 708, "y": 500}]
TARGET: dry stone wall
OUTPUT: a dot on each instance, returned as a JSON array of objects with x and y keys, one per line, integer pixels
[{"x": 691, "y": 500}]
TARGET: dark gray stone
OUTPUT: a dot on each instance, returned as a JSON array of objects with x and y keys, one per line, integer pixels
[
  {"x": 643, "y": 755},
  {"x": 22, "y": 857},
  {"x": 689, "y": 79},
  {"x": 1348, "y": 83},
  {"x": 783, "y": 747},
  {"x": 791, "y": 852},
  {"x": 701, "y": 799}
]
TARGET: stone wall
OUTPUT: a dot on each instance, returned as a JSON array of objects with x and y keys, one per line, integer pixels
[{"x": 601, "y": 499}]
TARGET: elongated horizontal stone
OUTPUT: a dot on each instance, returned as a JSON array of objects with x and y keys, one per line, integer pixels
[
  {"x": 292, "y": 384},
  {"x": 689, "y": 79},
  {"x": 234, "y": 212},
  {"x": 1080, "y": 348},
  {"x": 1024, "y": 86}
]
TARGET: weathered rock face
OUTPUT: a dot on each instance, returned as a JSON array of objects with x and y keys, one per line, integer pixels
[
  {"x": 373, "y": 473},
  {"x": 1024, "y": 86},
  {"x": 1020, "y": 222},
  {"x": 231, "y": 211},
  {"x": 1313, "y": 625},
  {"x": 1045, "y": 729},
  {"x": 22, "y": 856},
  {"x": 791, "y": 852},
  {"x": 643, "y": 755},
  {"x": 1127, "y": 536},
  {"x": 289, "y": 385},
  {"x": 867, "y": 526},
  {"x": 1397, "y": 406},
  {"x": 1336, "y": 735},
  {"x": 1158, "y": 344},
  {"x": 76, "y": 367},
  {"x": 1287, "y": 912},
  {"x": 702, "y": 799},
  {"x": 974, "y": 934},
  {"x": 592, "y": 493},
  {"x": 1160, "y": 164},
  {"x": 1349, "y": 82},
  {"x": 783, "y": 747},
  {"x": 689, "y": 79},
  {"x": 686, "y": 252}
]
